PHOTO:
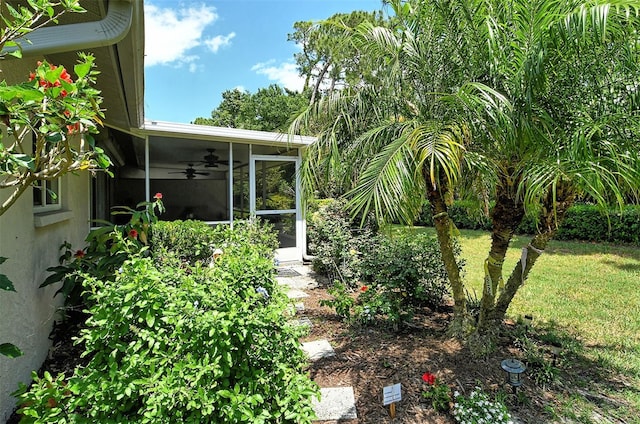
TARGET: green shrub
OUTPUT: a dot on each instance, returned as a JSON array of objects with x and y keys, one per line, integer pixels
[
  {"x": 464, "y": 214},
  {"x": 107, "y": 248},
  {"x": 336, "y": 241},
  {"x": 195, "y": 241},
  {"x": 183, "y": 344},
  {"x": 342, "y": 301},
  {"x": 587, "y": 222},
  {"x": 396, "y": 275},
  {"x": 188, "y": 241},
  {"x": 401, "y": 273},
  {"x": 581, "y": 222}
]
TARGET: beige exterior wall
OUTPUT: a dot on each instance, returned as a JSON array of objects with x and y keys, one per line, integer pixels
[
  {"x": 31, "y": 243},
  {"x": 27, "y": 315}
]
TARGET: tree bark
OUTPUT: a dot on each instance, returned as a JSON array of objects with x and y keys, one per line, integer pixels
[
  {"x": 444, "y": 227},
  {"x": 530, "y": 255},
  {"x": 15, "y": 195},
  {"x": 506, "y": 215},
  {"x": 554, "y": 209}
]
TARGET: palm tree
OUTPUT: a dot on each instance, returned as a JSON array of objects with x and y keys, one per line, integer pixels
[
  {"x": 501, "y": 89},
  {"x": 568, "y": 70}
]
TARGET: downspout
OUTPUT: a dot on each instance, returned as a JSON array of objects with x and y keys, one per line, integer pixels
[{"x": 85, "y": 35}]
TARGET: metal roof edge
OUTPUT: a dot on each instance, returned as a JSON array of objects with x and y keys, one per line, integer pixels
[{"x": 175, "y": 129}]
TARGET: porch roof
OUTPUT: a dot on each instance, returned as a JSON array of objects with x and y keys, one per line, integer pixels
[{"x": 222, "y": 134}]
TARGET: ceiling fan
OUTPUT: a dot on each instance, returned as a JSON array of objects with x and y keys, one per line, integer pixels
[
  {"x": 190, "y": 172},
  {"x": 211, "y": 160}
]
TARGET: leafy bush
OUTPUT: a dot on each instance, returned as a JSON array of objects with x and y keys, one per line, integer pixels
[
  {"x": 587, "y": 222},
  {"x": 335, "y": 240},
  {"x": 401, "y": 273},
  {"x": 107, "y": 248},
  {"x": 464, "y": 214},
  {"x": 170, "y": 344},
  {"x": 195, "y": 241},
  {"x": 342, "y": 300},
  {"x": 396, "y": 275},
  {"x": 188, "y": 241}
]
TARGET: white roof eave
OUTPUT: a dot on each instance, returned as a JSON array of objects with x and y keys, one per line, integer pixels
[{"x": 234, "y": 135}]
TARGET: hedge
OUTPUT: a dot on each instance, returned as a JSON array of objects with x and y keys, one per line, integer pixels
[{"x": 582, "y": 222}]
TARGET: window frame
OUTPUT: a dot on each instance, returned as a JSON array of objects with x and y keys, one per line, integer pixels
[{"x": 46, "y": 205}]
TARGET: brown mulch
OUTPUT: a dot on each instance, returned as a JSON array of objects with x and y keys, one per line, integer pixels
[{"x": 372, "y": 357}]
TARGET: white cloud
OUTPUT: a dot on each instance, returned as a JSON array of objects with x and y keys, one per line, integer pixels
[
  {"x": 285, "y": 74},
  {"x": 240, "y": 88},
  {"x": 171, "y": 33},
  {"x": 218, "y": 41}
]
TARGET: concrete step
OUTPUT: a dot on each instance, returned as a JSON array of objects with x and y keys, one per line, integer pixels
[
  {"x": 296, "y": 294},
  {"x": 318, "y": 349},
  {"x": 336, "y": 403}
]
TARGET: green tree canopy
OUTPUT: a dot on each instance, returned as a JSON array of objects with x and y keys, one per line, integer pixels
[
  {"x": 328, "y": 60},
  {"x": 269, "y": 109}
]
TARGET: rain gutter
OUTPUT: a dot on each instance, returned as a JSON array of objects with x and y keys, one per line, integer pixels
[{"x": 85, "y": 35}]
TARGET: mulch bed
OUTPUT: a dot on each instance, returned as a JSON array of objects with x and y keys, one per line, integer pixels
[{"x": 372, "y": 357}]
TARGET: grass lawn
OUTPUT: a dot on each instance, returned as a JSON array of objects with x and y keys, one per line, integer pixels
[{"x": 590, "y": 292}]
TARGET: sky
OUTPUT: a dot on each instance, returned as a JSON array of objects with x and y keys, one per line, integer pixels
[{"x": 197, "y": 49}]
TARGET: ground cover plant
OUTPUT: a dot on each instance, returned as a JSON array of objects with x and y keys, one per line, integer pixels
[{"x": 169, "y": 340}]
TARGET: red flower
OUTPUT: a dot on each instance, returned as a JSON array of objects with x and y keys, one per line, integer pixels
[
  {"x": 73, "y": 128},
  {"x": 364, "y": 289},
  {"x": 158, "y": 196},
  {"x": 429, "y": 378},
  {"x": 79, "y": 254},
  {"x": 65, "y": 76},
  {"x": 133, "y": 234}
]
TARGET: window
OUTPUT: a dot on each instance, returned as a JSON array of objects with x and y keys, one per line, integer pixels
[{"x": 46, "y": 196}]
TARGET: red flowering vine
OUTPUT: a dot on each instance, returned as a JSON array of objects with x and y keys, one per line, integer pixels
[
  {"x": 158, "y": 196},
  {"x": 364, "y": 288},
  {"x": 133, "y": 234}
]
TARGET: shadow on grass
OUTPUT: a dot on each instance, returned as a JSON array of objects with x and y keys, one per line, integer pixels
[{"x": 627, "y": 267}]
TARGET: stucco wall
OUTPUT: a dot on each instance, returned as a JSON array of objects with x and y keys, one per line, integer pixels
[{"x": 27, "y": 315}]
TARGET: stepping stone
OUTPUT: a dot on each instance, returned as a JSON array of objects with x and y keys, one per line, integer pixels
[
  {"x": 318, "y": 349},
  {"x": 299, "y": 307},
  {"x": 336, "y": 403},
  {"x": 303, "y": 321},
  {"x": 296, "y": 294}
]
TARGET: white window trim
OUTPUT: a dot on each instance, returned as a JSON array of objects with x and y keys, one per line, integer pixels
[{"x": 44, "y": 207}]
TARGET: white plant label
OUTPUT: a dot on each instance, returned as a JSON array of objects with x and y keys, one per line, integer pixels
[{"x": 391, "y": 394}]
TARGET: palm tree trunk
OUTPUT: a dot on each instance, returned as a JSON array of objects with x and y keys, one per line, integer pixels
[
  {"x": 506, "y": 215},
  {"x": 530, "y": 255},
  {"x": 554, "y": 209},
  {"x": 444, "y": 230}
]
